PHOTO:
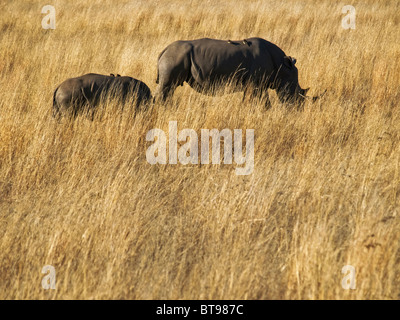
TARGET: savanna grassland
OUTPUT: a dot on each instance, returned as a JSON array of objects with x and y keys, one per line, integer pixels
[{"x": 80, "y": 196}]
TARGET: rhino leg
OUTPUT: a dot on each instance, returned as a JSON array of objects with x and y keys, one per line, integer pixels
[
  {"x": 143, "y": 96},
  {"x": 173, "y": 68},
  {"x": 267, "y": 103},
  {"x": 164, "y": 90},
  {"x": 257, "y": 94},
  {"x": 62, "y": 101}
]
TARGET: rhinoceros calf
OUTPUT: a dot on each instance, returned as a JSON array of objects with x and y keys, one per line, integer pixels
[
  {"x": 251, "y": 65},
  {"x": 74, "y": 94}
]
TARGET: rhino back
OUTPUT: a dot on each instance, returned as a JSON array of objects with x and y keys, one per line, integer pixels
[
  {"x": 242, "y": 58},
  {"x": 125, "y": 87},
  {"x": 81, "y": 89},
  {"x": 221, "y": 57}
]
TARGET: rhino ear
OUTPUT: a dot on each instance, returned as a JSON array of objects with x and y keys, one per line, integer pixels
[
  {"x": 294, "y": 60},
  {"x": 288, "y": 61}
]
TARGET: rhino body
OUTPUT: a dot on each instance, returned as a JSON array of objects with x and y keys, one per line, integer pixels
[
  {"x": 252, "y": 65},
  {"x": 75, "y": 94}
]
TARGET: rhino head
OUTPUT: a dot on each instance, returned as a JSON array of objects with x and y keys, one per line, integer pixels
[{"x": 287, "y": 83}]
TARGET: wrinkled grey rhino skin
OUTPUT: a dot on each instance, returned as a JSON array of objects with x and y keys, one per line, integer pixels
[
  {"x": 75, "y": 94},
  {"x": 251, "y": 65}
]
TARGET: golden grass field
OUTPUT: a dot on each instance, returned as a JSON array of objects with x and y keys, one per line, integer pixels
[{"x": 80, "y": 195}]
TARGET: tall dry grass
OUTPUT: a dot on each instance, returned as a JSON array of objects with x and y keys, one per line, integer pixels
[{"x": 80, "y": 195}]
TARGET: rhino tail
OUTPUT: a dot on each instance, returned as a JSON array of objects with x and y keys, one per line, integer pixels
[
  {"x": 159, "y": 57},
  {"x": 55, "y": 104}
]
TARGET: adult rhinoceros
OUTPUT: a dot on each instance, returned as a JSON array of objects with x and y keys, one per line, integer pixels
[
  {"x": 75, "y": 93},
  {"x": 251, "y": 65}
]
